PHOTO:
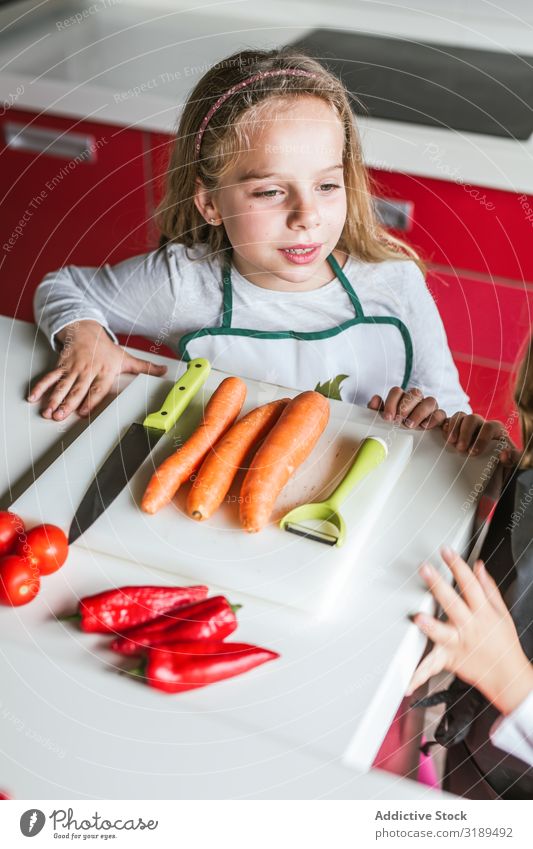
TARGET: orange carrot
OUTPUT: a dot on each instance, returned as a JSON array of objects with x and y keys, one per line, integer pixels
[
  {"x": 290, "y": 441},
  {"x": 227, "y": 457},
  {"x": 223, "y": 408}
]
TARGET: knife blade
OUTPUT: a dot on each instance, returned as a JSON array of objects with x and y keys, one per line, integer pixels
[{"x": 134, "y": 447}]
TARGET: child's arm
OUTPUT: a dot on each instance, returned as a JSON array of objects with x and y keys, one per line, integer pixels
[
  {"x": 82, "y": 309},
  {"x": 137, "y": 296},
  {"x": 433, "y": 373},
  {"x": 478, "y": 642}
]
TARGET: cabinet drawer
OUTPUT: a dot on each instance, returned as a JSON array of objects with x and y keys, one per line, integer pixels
[
  {"x": 463, "y": 226},
  {"x": 73, "y": 192},
  {"x": 491, "y": 393},
  {"x": 483, "y": 319}
]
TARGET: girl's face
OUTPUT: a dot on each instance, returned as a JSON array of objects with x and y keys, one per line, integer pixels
[{"x": 284, "y": 203}]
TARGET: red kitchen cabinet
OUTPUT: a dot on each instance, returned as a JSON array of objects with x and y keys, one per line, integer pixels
[
  {"x": 476, "y": 244},
  {"x": 73, "y": 192},
  {"x": 491, "y": 393},
  {"x": 462, "y": 226},
  {"x": 160, "y": 148},
  {"x": 157, "y": 146},
  {"x": 483, "y": 319},
  {"x": 487, "y": 327}
]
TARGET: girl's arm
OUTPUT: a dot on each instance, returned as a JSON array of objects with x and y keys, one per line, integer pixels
[
  {"x": 133, "y": 297},
  {"x": 434, "y": 372},
  {"x": 81, "y": 309}
]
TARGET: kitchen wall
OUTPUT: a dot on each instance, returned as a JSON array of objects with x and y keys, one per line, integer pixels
[
  {"x": 474, "y": 23},
  {"x": 504, "y": 10}
]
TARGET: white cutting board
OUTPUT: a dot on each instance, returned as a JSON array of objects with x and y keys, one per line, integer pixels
[{"x": 274, "y": 565}]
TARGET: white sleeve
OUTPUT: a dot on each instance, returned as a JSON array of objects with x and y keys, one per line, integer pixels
[
  {"x": 514, "y": 733},
  {"x": 136, "y": 296},
  {"x": 434, "y": 371}
]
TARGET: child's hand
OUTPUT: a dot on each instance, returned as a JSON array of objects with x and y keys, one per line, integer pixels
[
  {"x": 86, "y": 369},
  {"x": 470, "y": 433},
  {"x": 479, "y": 642},
  {"x": 510, "y": 455},
  {"x": 409, "y": 408}
]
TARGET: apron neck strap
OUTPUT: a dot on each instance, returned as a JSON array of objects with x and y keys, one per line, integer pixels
[
  {"x": 350, "y": 291},
  {"x": 227, "y": 305}
]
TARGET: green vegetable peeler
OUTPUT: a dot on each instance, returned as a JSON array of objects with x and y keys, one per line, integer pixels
[{"x": 322, "y": 521}]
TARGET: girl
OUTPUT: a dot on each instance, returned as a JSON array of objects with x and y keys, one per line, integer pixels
[
  {"x": 479, "y": 642},
  {"x": 272, "y": 263}
]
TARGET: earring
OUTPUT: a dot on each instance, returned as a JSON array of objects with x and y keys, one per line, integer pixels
[{"x": 212, "y": 220}]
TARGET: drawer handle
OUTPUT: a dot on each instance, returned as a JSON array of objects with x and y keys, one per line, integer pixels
[
  {"x": 396, "y": 214},
  {"x": 49, "y": 142}
]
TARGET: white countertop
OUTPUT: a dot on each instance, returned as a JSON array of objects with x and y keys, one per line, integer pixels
[
  {"x": 309, "y": 728},
  {"x": 132, "y": 63}
]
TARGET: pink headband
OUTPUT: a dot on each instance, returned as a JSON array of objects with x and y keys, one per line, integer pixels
[{"x": 293, "y": 72}]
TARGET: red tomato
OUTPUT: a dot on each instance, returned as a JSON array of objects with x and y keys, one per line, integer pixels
[
  {"x": 46, "y": 546},
  {"x": 19, "y": 580},
  {"x": 11, "y": 527}
]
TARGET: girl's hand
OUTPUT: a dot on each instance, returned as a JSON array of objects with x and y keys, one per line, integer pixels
[
  {"x": 409, "y": 408},
  {"x": 479, "y": 642},
  {"x": 510, "y": 455},
  {"x": 85, "y": 371},
  {"x": 470, "y": 433}
]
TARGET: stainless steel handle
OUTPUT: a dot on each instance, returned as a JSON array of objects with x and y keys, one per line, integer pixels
[
  {"x": 396, "y": 214},
  {"x": 49, "y": 142}
]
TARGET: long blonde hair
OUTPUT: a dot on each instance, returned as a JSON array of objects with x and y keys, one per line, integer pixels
[
  {"x": 524, "y": 402},
  {"x": 227, "y": 134}
]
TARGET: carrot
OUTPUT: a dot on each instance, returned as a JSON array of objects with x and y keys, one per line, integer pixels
[
  {"x": 288, "y": 444},
  {"x": 223, "y": 408},
  {"x": 227, "y": 457}
]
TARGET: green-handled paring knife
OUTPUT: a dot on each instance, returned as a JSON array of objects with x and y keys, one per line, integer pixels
[
  {"x": 134, "y": 447},
  {"x": 322, "y": 521}
]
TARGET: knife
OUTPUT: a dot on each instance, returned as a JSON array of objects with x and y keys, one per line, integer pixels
[{"x": 134, "y": 447}]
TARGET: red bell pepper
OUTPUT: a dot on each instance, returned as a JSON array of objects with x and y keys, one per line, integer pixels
[
  {"x": 210, "y": 619},
  {"x": 117, "y": 610},
  {"x": 188, "y": 666}
]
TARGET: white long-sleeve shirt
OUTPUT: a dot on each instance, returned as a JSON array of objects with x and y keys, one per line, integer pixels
[
  {"x": 173, "y": 291},
  {"x": 514, "y": 733}
]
